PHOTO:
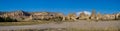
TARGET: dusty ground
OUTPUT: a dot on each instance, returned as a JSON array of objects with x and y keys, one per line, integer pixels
[{"x": 77, "y": 24}]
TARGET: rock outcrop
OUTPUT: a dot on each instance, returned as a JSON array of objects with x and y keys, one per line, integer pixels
[
  {"x": 117, "y": 16},
  {"x": 83, "y": 16},
  {"x": 93, "y": 15},
  {"x": 18, "y": 15},
  {"x": 47, "y": 16},
  {"x": 28, "y": 16},
  {"x": 71, "y": 17},
  {"x": 108, "y": 17},
  {"x": 98, "y": 16}
]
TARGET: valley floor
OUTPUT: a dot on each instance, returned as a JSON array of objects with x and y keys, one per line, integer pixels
[{"x": 76, "y": 24}]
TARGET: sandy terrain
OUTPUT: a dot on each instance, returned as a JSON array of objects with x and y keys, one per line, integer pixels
[{"x": 76, "y": 24}]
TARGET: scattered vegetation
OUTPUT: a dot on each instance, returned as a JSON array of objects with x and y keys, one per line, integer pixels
[
  {"x": 21, "y": 23},
  {"x": 13, "y": 22},
  {"x": 7, "y": 19}
]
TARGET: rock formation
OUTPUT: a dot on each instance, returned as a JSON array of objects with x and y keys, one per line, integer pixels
[
  {"x": 117, "y": 16},
  {"x": 93, "y": 15},
  {"x": 39, "y": 15},
  {"x": 71, "y": 17},
  {"x": 27, "y": 16},
  {"x": 47, "y": 16},
  {"x": 98, "y": 16},
  {"x": 18, "y": 15},
  {"x": 108, "y": 17},
  {"x": 83, "y": 16}
]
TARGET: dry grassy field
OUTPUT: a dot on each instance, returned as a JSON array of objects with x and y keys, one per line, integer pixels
[
  {"x": 80, "y": 25},
  {"x": 22, "y": 23}
]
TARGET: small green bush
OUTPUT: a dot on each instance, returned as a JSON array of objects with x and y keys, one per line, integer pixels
[{"x": 7, "y": 19}]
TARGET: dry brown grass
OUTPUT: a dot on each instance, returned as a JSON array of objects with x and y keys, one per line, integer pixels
[
  {"x": 94, "y": 28},
  {"x": 66, "y": 29},
  {"x": 21, "y": 23}
]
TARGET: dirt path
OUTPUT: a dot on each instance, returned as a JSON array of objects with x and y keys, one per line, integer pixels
[{"x": 76, "y": 24}]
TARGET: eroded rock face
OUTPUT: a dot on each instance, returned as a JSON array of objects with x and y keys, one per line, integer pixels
[
  {"x": 25, "y": 16},
  {"x": 108, "y": 17},
  {"x": 39, "y": 15},
  {"x": 71, "y": 17},
  {"x": 61, "y": 16},
  {"x": 83, "y": 16},
  {"x": 93, "y": 15},
  {"x": 98, "y": 16},
  {"x": 18, "y": 15},
  {"x": 47, "y": 16},
  {"x": 117, "y": 16}
]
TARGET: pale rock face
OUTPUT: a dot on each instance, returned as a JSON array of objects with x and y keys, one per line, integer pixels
[
  {"x": 93, "y": 15},
  {"x": 39, "y": 15},
  {"x": 83, "y": 16},
  {"x": 15, "y": 14},
  {"x": 117, "y": 16},
  {"x": 98, "y": 16},
  {"x": 108, "y": 17},
  {"x": 61, "y": 15},
  {"x": 18, "y": 15},
  {"x": 71, "y": 17},
  {"x": 47, "y": 16}
]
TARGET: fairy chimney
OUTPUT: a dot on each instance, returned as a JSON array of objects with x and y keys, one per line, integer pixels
[
  {"x": 93, "y": 15},
  {"x": 98, "y": 16},
  {"x": 83, "y": 16},
  {"x": 71, "y": 16}
]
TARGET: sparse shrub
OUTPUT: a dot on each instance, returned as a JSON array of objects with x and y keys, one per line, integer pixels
[
  {"x": 2, "y": 19},
  {"x": 119, "y": 17},
  {"x": 7, "y": 19}
]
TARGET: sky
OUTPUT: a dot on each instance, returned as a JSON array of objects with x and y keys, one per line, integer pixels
[{"x": 62, "y": 6}]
